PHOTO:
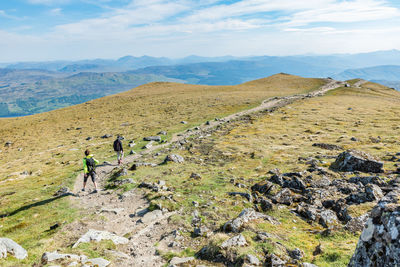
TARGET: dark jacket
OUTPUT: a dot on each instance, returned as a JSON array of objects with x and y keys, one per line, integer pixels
[{"x": 118, "y": 145}]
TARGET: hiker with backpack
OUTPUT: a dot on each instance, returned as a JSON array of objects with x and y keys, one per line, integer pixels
[
  {"x": 119, "y": 149},
  {"x": 89, "y": 169}
]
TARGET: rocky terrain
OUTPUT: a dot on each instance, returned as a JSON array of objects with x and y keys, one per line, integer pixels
[{"x": 208, "y": 196}]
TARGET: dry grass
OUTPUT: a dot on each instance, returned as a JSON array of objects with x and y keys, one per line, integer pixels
[{"x": 248, "y": 150}]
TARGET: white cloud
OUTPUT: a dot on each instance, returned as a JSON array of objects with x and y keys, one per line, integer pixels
[
  {"x": 48, "y": 2},
  {"x": 56, "y": 11},
  {"x": 6, "y": 15},
  {"x": 345, "y": 12}
]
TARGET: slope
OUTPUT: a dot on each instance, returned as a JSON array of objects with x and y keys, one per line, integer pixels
[{"x": 44, "y": 150}]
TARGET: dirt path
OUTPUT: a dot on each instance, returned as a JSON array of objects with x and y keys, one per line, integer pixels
[{"x": 123, "y": 215}]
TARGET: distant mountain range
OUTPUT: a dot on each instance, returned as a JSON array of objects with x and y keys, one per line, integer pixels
[{"x": 32, "y": 87}]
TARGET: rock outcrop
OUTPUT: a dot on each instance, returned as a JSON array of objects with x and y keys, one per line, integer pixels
[
  {"x": 352, "y": 160},
  {"x": 379, "y": 243}
]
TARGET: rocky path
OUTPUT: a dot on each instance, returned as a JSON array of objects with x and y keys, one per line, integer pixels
[{"x": 126, "y": 215}]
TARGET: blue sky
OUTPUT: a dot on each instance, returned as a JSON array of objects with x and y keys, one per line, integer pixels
[{"x": 32, "y": 30}]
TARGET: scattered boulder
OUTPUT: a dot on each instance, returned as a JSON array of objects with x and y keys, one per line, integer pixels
[
  {"x": 328, "y": 146},
  {"x": 327, "y": 218},
  {"x": 245, "y": 195},
  {"x": 162, "y": 133},
  {"x": 106, "y": 136},
  {"x": 274, "y": 260},
  {"x": 352, "y": 160},
  {"x": 124, "y": 181},
  {"x": 371, "y": 192},
  {"x": 357, "y": 224},
  {"x": 201, "y": 231},
  {"x": 294, "y": 183},
  {"x": 367, "y": 180},
  {"x": 265, "y": 204},
  {"x": 263, "y": 187},
  {"x": 284, "y": 197},
  {"x": 195, "y": 176},
  {"x": 148, "y": 145},
  {"x": 236, "y": 241},
  {"x": 95, "y": 235},
  {"x": 98, "y": 262},
  {"x": 9, "y": 246},
  {"x": 251, "y": 260},
  {"x": 152, "y": 138},
  {"x": 176, "y": 260},
  {"x": 245, "y": 216},
  {"x": 174, "y": 158},
  {"x": 296, "y": 254},
  {"x": 53, "y": 256},
  {"x": 184, "y": 122}
]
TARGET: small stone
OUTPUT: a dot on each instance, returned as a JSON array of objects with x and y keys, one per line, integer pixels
[
  {"x": 195, "y": 176},
  {"x": 62, "y": 192},
  {"x": 296, "y": 254},
  {"x": 152, "y": 138}
]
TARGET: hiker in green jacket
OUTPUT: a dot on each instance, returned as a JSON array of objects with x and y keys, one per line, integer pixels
[{"x": 89, "y": 169}]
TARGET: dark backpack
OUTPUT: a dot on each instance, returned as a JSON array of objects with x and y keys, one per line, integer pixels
[
  {"x": 117, "y": 145},
  {"x": 90, "y": 164}
]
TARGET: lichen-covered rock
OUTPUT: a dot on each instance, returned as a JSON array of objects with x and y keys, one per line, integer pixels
[
  {"x": 263, "y": 187},
  {"x": 236, "y": 241},
  {"x": 379, "y": 243},
  {"x": 352, "y": 160},
  {"x": 9, "y": 246},
  {"x": 284, "y": 197},
  {"x": 174, "y": 158},
  {"x": 53, "y": 256},
  {"x": 356, "y": 224},
  {"x": 245, "y": 216},
  {"x": 95, "y": 235}
]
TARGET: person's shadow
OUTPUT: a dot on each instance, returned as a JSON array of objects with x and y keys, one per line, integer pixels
[{"x": 36, "y": 204}]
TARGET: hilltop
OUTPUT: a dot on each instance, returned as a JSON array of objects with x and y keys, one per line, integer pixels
[{"x": 221, "y": 156}]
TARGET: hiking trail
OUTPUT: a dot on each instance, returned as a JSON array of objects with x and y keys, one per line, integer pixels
[{"x": 128, "y": 215}]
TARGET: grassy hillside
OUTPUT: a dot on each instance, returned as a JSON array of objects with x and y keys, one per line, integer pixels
[
  {"x": 245, "y": 151},
  {"x": 46, "y": 149}
]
